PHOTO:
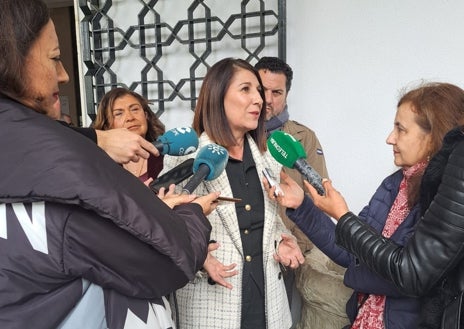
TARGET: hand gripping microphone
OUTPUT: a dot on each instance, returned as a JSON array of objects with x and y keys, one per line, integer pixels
[
  {"x": 290, "y": 153},
  {"x": 177, "y": 141},
  {"x": 209, "y": 163}
]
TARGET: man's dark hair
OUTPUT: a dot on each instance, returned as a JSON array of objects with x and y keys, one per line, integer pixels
[{"x": 276, "y": 65}]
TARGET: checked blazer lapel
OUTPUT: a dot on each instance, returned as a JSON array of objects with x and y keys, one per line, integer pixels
[
  {"x": 265, "y": 160},
  {"x": 226, "y": 210}
]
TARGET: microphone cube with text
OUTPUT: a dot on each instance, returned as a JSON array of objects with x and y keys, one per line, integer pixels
[
  {"x": 177, "y": 141},
  {"x": 290, "y": 153}
]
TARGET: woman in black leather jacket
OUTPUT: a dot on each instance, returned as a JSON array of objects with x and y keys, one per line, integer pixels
[{"x": 430, "y": 265}]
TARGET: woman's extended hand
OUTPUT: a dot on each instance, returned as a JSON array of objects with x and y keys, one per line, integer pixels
[
  {"x": 123, "y": 145},
  {"x": 216, "y": 270},
  {"x": 293, "y": 194},
  {"x": 288, "y": 252},
  {"x": 332, "y": 203},
  {"x": 208, "y": 202},
  {"x": 173, "y": 199}
]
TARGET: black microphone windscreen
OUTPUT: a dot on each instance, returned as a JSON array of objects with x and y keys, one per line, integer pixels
[{"x": 174, "y": 176}]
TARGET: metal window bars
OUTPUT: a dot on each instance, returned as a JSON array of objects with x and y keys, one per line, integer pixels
[{"x": 163, "y": 48}]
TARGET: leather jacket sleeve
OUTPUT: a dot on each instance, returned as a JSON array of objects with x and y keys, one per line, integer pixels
[{"x": 436, "y": 247}]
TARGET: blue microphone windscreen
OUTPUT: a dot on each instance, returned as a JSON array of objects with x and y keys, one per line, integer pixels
[
  {"x": 215, "y": 157},
  {"x": 179, "y": 141}
]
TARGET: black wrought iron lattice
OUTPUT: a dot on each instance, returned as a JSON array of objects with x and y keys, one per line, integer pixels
[{"x": 154, "y": 47}]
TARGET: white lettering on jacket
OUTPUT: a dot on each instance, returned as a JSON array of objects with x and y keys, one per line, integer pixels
[{"x": 34, "y": 228}]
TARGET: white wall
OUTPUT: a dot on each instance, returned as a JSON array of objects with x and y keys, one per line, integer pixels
[
  {"x": 176, "y": 60},
  {"x": 350, "y": 61}
]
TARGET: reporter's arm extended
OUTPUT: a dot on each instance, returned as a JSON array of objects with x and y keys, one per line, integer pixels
[
  {"x": 121, "y": 144},
  {"x": 321, "y": 231},
  {"x": 98, "y": 250},
  {"x": 436, "y": 247},
  {"x": 319, "y": 228}
]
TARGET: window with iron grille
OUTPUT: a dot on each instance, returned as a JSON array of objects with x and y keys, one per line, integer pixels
[{"x": 163, "y": 48}]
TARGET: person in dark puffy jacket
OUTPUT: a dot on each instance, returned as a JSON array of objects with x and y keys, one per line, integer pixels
[
  {"x": 424, "y": 115},
  {"x": 431, "y": 264},
  {"x": 83, "y": 243}
]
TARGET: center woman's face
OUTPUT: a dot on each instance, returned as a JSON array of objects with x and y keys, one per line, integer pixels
[
  {"x": 44, "y": 72},
  {"x": 243, "y": 102},
  {"x": 128, "y": 113}
]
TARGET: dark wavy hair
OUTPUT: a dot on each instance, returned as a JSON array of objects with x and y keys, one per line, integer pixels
[
  {"x": 104, "y": 113},
  {"x": 21, "y": 22},
  {"x": 276, "y": 65},
  {"x": 210, "y": 116}
]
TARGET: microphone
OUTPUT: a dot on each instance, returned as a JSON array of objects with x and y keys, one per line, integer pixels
[
  {"x": 209, "y": 163},
  {"x": 290, "y": 153},
  {"x": 174, "y": 176},
  {"x": 177, "y": 141}
]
